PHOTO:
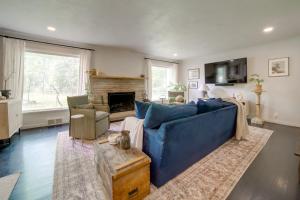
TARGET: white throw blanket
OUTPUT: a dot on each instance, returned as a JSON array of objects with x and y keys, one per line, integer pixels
[
  {"x": 242, "y": 128},
  {"x": 135, "y": 126}
]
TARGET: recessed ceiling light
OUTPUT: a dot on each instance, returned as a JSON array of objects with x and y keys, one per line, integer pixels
[
  {"x": 175, "y": 54},
  {"x": 268, "y": 29},
  {"x": 51, "y": 28}
]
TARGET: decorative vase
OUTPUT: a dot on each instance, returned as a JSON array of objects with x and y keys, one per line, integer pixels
[
  {"x": 258, "y": 88},
  {"x": 124, "y": 140}
]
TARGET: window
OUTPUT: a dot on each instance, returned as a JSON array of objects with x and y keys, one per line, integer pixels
[
  {"x": 161, "y": 76},
  {"x": 49, "y": 79},
  {"x": 161, "y": 81}
]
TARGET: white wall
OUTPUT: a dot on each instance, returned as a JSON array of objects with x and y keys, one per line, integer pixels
[
  {"x": 117, "y": 61},
  {"x": 1, "y": 62},
  {"x": 282, "y": 93}
]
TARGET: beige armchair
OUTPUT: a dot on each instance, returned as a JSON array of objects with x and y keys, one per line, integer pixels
[{"x": 96, "y": 122}]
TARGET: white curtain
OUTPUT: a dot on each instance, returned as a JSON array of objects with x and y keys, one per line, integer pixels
[
  {"x": 13, "y": 70},
  {"x": 148, "y": 80},
  {"x": 85, "y": 61}
]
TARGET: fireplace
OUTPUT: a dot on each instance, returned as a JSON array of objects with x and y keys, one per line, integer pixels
[{"x": 121, "y": 101}]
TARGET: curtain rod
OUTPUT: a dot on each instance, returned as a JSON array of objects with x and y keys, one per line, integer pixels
[
  {"x": 161, "y": 60},
  {"x": 46, "y": 42}
]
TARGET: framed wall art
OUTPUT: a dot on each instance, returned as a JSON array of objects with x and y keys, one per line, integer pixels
[
  {"x": 193, "y": 84},
  {"x": 193, "y": 73},
  {"x": 279, "y": 67}
]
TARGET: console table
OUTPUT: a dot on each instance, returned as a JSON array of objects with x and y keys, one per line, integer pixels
[{"x": 11, "y": 118}]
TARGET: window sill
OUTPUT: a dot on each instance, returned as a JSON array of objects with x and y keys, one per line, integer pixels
[{"x": 44, "y": 110}]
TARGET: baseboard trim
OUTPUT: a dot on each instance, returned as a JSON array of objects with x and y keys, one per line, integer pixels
[
  {"x": 282, "y": 123},
  {"x": 41, "y": 125}
]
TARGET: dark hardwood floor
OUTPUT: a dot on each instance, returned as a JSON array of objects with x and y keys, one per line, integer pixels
[
  {"x": 32, "y": 153},
  {"x": 272, "y": 175}
]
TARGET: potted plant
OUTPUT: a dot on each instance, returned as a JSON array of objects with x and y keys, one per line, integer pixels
[{"x": 258, "y": 81}]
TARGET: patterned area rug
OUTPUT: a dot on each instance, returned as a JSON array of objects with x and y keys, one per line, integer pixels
[{"x": 213, "y": 177}]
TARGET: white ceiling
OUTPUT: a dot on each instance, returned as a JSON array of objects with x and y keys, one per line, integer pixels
[{"x": 157, "y": 27}]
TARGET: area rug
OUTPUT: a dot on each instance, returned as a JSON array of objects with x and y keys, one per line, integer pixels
[
  {"x": 213, "y": 177},
  {"x": 7, "y": 184}
]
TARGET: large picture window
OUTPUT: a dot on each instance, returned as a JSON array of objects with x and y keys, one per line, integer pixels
[
  {"x": 161, "y": 75},
  {"x": 161, "y": 81},
  {"x": 49, "y": 79}
]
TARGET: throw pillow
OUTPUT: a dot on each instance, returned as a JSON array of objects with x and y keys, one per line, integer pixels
[
  {"x": 158, "y": 114},
  {"x": 214, "y": 104},
  {"x": 141, "y": 109}
]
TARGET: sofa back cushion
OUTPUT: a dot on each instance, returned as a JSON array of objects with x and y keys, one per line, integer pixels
[
  {"x": 141, "y": 109},
  {"x": 211, "y": 105},
  {"x": 158, "y": 114}
]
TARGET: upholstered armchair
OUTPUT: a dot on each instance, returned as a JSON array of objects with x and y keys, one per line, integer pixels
[{"x": 96, "y": 122}]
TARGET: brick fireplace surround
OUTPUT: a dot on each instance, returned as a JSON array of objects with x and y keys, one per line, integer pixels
[{"x": 101, "y": 86}]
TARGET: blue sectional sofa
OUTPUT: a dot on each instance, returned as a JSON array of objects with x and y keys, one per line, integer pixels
[{"x": 176, "y": 144}]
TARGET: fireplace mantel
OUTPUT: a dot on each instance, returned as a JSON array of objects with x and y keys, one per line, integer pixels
[{"x": 117, "y": 77}]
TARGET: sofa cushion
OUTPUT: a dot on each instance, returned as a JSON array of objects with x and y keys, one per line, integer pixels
[
  {"x": 157, "y": 114},
  {"x": 210, "y": 105},
  {"x": 141, "y": 109},
  {"x": 214, "y": 104},
  {"x": 202, "y": 107},
  {"x": 101, "y": 115}
]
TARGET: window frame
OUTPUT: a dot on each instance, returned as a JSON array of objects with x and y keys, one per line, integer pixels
[{"x": 54, "y": 51}]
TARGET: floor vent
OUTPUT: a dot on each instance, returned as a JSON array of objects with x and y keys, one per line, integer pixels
[{"x": 52, "y": 122}]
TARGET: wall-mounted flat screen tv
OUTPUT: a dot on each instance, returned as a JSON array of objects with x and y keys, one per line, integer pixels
[{"x": 226, "y": 72}]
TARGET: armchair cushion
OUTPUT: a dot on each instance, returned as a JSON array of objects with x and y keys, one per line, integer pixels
[{"x": 101, "y": 115}]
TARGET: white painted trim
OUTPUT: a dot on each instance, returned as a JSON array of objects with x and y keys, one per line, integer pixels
[
  {"x": 44, "y": 110},
  {"x": 40, "y": 125}
]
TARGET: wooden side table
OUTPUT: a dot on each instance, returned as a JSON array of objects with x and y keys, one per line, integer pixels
[
  {"x": 125, "y": 173},
  {"x": 77, "y": 126}
]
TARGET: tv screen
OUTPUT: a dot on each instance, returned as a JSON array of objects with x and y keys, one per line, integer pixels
[{"x": 226, "y": 72}]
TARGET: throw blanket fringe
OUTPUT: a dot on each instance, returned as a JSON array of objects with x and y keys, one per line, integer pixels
[{"x": 242, "y": 129}]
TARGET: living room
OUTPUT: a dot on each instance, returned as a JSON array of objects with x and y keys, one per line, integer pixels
[{"x": 202, "y": 96}]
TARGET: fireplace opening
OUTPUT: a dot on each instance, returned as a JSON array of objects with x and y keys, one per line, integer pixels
[{"x": 121, "y": 101}]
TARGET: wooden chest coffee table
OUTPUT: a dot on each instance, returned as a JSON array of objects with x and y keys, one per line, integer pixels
[{"x": 125, "y": 173}]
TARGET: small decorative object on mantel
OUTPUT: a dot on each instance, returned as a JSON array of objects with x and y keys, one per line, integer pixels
[
  {"x": 99, "y": 73},
  {"x": 258, "y": 91},
  {"x": 142, "y": 76},
  {"x": 92, "y": 71},
  {"x": 124, "y": 140},
  {"x": 193, "y": 74},
  {"x": 279, "y": 67}
]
